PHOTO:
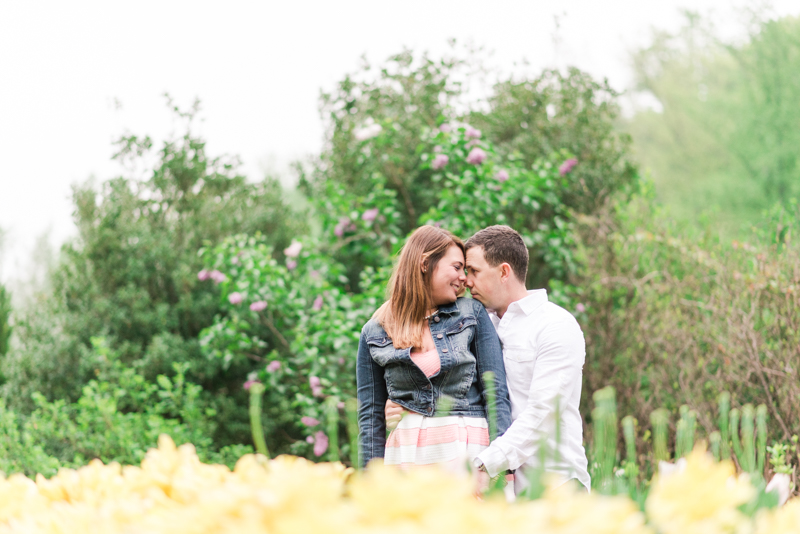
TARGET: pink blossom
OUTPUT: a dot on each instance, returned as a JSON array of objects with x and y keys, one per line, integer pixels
[
  {"x": 340, "y": 405},
  {"x": 258, "y": 306},
  {"x": 344, "y": 223},
  {"x": 235, "y": 298},
  {"x": 320, "y": 443},
  {"x": 445, "y": 128},
  {"x": 314, "y": 274},
  {"x": 476, "y": 156},
  {"x": 309, "y": 421},
  {"x": 370, "y": 215},
  {"x": 309, "y": 439},
  {"x": 316, "y": 386},
  {"x": 567, "y": 166},
  {"x": 341, "y": 361},
  {"x": 501, "y": 176},
  {"x": 317, "y": 306},
  {"x": 437, "y": 149},
  {"x": 235, "y": 260},
  {"x": 217, "y": 276},
  {"x": 472, "y": 133},
  {"x": 439, "y": 161},
  {"x": 273, "y": 366},
  {"x": 291, "y": 265},
  {"x": 203, "y": 275},
  {"x": 250, "y": 383},
  {"x": 580, "y": 307},
  {"x": 293, "y": 250}
]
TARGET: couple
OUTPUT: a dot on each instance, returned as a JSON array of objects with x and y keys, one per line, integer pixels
[{"x": 427, "y": 343}]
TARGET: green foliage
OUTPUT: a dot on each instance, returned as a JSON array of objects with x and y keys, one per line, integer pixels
[
  {"x": 5, "y": 320},
  {"x": 727, "y": 134},
  {"x": 674, "y": 316},
  {"x": 566, "y": 111},
  {"x": 379, "y": 149},
  {"x": 497, "y": 191},
  {"x": 130, "y": 276}
]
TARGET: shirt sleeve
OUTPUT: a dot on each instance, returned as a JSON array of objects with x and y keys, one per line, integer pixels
[{"x": 558, "y": 366}]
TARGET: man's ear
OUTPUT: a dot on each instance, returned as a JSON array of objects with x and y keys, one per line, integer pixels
[{"x": 506, "y": 272}]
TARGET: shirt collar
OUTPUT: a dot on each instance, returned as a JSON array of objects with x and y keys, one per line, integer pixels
[{"x": 535, "y": 298}]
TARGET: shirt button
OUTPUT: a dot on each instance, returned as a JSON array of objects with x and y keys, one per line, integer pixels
[
  {"x": 439, "y": 336},
  {"x": 444, "y": 350},
  {"x": 436, "y": 319}
]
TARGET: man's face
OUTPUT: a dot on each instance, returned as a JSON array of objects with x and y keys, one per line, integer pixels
[{"x": 483, "y": 280}]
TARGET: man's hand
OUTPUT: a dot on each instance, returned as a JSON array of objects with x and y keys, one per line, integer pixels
[{"x": 394, "y": 412}]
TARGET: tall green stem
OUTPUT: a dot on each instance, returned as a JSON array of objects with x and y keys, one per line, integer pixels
[{"x": 256, "y": 391}]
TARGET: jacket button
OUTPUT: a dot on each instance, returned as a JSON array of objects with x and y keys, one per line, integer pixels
[
  {"x": 439, "y": 336},
  {"x": 444, "y": 350},
  {"x": 436, "y": 319}
]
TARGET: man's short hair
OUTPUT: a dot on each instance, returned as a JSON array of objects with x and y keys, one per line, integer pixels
[{"x": 502, "y": 244}]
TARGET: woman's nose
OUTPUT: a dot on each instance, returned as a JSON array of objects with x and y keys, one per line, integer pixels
[{"x": 462, "y": 277}]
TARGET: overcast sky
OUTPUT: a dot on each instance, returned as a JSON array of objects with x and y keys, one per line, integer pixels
[{"x": 258, "y": 67}]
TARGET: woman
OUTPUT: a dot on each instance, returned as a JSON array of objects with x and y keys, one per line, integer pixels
[{"x": 425, "y": 344}]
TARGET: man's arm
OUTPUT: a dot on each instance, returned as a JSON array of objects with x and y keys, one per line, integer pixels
[{"x": 559, "y": 363}]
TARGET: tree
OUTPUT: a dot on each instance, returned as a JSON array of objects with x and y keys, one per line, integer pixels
[
  {"x": 727, "y": 133},
  {"x": 131, "y": 274}
]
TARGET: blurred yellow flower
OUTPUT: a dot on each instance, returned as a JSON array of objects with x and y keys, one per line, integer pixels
[
  {"x": 172, "y": 492},
  {"x": 703, "y": 498}
]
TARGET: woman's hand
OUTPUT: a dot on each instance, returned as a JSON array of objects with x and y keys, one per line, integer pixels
[{"x": 394, "y": 413}]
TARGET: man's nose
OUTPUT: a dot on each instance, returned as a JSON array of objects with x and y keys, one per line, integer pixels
[{"x": 468, "y": 282}]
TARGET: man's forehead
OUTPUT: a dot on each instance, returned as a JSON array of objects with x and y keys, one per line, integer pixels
[{"x": 475, "y": 255}]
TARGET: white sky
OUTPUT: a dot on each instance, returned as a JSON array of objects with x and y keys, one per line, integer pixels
[{"x": 258, "y": 68}]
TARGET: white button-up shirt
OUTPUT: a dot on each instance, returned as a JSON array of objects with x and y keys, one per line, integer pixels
[{"x": 543, "y": 351}]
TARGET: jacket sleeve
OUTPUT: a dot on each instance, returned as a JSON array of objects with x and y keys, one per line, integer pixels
[
  {"x": 372, "y": 395},
  {"x": 489, "y": 354}
]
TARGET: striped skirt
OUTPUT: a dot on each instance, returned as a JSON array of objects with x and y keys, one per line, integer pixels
[{"x": 451, "y": 441}]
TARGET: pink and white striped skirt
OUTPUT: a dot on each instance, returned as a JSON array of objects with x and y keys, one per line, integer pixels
[{"x": 452, "y": 440}]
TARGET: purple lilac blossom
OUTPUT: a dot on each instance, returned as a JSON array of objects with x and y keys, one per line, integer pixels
[
  {"x": 567, "y": 166},
  {"x": 320, "y": 443},
  {"x": 472, "y": 133},
  {"x": 293, "y": 250},
  {"x": 273, "y": 366},
  {"x": 370, "y": 215},
  {"x": 476, "y": 156},
  {"x": 439, "y": 161},
  {"x": 258, "y": 306},
  {"x": 309, "y": 421},
  {"x": 235, "y": 298}
]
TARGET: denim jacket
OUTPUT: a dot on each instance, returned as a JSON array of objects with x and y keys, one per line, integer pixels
[{"x": 468, "y": 346}]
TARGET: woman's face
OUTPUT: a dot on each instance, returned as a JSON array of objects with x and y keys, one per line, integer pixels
[{"x": 448, "y": 277}]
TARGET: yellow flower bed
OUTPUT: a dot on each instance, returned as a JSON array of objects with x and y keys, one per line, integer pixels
[{"x": 173, "y": 492}]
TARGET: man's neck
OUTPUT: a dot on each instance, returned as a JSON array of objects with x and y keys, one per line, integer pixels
[{"x": 518, "y": 293}]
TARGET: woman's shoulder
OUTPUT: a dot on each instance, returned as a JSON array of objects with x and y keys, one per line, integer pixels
[
  {"x": 373, "y": 329},
  {"x": 469, "y": 306}
]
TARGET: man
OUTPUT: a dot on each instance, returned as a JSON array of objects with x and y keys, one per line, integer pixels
[{"x": 543, "y": 352}]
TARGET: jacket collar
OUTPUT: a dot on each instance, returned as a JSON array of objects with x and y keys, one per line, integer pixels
[{"x": 448, "y": 309}]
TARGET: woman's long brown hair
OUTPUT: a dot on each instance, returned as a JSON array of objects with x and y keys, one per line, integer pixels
[{"x": 409, "y": 290}]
